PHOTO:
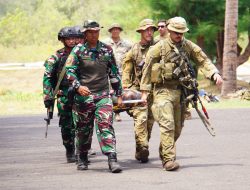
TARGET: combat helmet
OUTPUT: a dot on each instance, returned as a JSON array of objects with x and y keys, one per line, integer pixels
[
  {"x": 77, "y": 31},
  {"x": 66, "y": 32}
]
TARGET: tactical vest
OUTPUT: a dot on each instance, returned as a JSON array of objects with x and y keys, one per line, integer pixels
[
  {"x": 139, "y": 54},
  {"x": 170, "y": 56},
  {"x": 93, "y": 74}
]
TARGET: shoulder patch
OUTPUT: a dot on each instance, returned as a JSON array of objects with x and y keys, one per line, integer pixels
[
  {"x": 70, "y": 60},
  {"x": 51, "y": 60}
]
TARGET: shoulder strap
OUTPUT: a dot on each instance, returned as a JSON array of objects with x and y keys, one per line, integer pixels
[
  {"x": 60, "y": 78},
  {"x": 135, "y": 52}
]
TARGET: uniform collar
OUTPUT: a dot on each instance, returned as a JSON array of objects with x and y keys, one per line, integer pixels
[
  {"x": 112, "y": 41},
  {"x": 98, "y": 46}
]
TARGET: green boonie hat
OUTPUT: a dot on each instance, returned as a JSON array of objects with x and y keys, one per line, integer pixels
[
  {"x": 115, "y": 25},
  {"x": 178, "y": 24},
  {"x": 146, "y": 23},
  {"x": 90, "y": 25}
]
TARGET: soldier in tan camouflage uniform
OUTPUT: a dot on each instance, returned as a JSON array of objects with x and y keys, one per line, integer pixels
[
  {"x": 131, "y": 78},
  {"x": 120, "y": 48},
  {"x": 162, "y": 28},
  {"x": 158, "y": 75}
]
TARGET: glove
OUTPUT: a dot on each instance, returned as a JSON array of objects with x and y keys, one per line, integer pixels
[{"x": 48, "y": 103}]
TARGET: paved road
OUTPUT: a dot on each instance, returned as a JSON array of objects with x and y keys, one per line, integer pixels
[{"x": 31, "y": 162}]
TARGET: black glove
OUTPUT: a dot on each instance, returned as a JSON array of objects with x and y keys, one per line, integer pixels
[
  {"x": 48, "y": 103},
  {"x": 71, "y": 95}
]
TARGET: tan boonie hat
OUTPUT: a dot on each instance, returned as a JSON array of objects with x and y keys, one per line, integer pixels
[
  {"x": 90, "y": 25},
  {"x": 115, "y": 25},
  {"x": 146, "y": 23},
  {"x": 178, "y": 24}
]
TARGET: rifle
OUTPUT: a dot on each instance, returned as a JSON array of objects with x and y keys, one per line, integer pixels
[
  {"x": 186, "y": 75},
  {"x": 50, "y": 110},
  {"x": 49, "y": 117}
]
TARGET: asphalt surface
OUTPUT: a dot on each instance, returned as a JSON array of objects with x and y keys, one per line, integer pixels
[{"x": 31, "y": 162}]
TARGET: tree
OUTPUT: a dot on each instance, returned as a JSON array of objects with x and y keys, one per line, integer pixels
[
  {"x": 230, "y": 48},
  {"x": 206, "y": 22}
]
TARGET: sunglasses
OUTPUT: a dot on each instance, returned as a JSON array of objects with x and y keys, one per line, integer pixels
[
  {"x": 161, "y": 26},
  {"x": 179, "y": 34}
]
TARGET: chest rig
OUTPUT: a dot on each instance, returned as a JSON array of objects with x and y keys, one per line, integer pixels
[
  {"x": 173, "y": 61},
  {"x": 139, "y": 54}
]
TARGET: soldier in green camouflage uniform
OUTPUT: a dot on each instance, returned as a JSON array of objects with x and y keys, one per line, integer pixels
[
  {"x": 158, "y": 75},
  {"x": 79, "y": 38},
  {"x": 90, "y": 66},
  {"x": 131, "y": 78},
  {"x": 53, "y": 66}
]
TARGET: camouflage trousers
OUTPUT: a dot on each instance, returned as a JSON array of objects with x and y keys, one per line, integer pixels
[
  {"x": 96, "y": 109},
  {"x": 143, "y": 124},
  {"x": 167, "y": 112},
  {"x": 66, "y": 122}
]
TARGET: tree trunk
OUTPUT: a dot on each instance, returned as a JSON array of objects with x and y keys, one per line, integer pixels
[
  {"x": 230, "y": 48},
  {"x": 219, "y": 50},
  {"x": 201, "y": 41}
]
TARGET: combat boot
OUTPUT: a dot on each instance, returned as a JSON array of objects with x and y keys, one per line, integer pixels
[
  {"x": 142, "y": 155},
  {"x": 82, "y": 161},
  {"x": 91, "y": 152},
  {"x": 114, "y": 167},
  {"x": 171, "y": 166},
  {"x": 70, "y": 155}
]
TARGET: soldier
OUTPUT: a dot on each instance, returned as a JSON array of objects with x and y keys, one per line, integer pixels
[
  {"x": 79, "y": 37},
  {"x": 53, "y": 67},
  {"x": 162, "y": 28},
  {"x": 120, "y": 48},
  {"x": 131, "y": 78},
  {"x": 166, "y": 87},
  {"x": 89, "y": 67}
]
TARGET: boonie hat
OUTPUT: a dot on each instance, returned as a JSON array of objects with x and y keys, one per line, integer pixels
[
  {"x": 90, "y": 25},
  {"x": 115, "y": 25},
  {"x": 146, "y": 23},
  {"x": 178, "y": 24}
]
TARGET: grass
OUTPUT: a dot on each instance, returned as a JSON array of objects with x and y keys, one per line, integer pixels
[
  {"x": 16, "y": 103},
  {"x": 21, "y": 92},
  {"x": 25, "y": 54}
]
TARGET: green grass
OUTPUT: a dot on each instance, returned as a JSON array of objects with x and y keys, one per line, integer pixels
[
  {"x": 227, "y": 104},
  {"x": 32, "y": 53},
  {"x": 16, "y": 103}
]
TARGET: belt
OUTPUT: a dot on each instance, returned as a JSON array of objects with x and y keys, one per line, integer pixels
[{"x": 169, "y": 85}]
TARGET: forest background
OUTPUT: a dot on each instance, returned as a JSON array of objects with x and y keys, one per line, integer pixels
[{"x": 29, "y": 28}]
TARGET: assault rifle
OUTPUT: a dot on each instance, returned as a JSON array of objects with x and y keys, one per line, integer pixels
[
  {"x": 50, "y": 110},
  {"x": 48, "y": 118},
  {"x": 190, "y": 94}
]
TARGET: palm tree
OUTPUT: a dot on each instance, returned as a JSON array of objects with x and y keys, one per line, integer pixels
[{"x": 230, "y": 60}]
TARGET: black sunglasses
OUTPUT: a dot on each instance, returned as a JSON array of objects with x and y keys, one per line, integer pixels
[
  {"x": 161, "y": 26},
  {"x": 177, "y": 33}
]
